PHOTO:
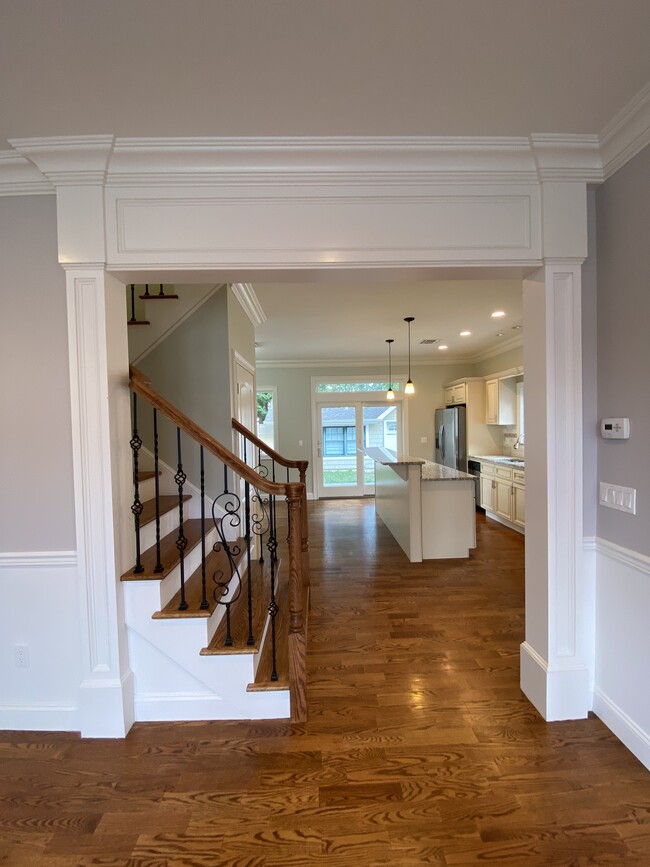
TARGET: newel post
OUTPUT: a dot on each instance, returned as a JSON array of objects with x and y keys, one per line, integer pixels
[{"x": 297, "y": 625}]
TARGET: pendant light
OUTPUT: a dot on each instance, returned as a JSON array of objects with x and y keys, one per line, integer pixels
[
  {"x": 409, "y": 388},
  {"x": 390, "y": 394}
]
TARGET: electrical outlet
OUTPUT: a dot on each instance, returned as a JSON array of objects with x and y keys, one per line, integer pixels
[
  {"x": 21, "y": 655},
  {"x": 424, "y": 440}
]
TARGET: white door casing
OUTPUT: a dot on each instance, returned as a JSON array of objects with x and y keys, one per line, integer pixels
[{"x": 347, "y": 206}]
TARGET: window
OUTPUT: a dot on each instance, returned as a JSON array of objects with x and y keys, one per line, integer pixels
[
  {"x": 339, "y": 441},
  {"x": 342, "y": 387},
  {"x": 267, "y": 416}
]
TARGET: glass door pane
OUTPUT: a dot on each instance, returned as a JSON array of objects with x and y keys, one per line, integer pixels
[
  {"x": 338, "y": 452},
  {"x": 381, "y": 429}
]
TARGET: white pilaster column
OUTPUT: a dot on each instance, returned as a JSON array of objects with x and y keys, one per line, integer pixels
[
  {"x": 100, "y": 413},
  {"x": 555, "y": 658}
]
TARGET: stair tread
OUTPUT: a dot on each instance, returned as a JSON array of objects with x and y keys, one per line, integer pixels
[
  {"x": 167, "y": 503},
  {"x": 260, "y": 577},
  {"x": 263, "y": 680},
  {"x": 143, "y": 475},
  {"x": 214, "y": 561},
  {"x": 158, "y": 297},
  {"x": 169, "y": 554}
]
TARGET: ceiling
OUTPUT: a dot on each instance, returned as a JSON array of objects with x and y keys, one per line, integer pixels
[
  {"x": 319, "y": 67},
  {"x": 348, "y": 322}
]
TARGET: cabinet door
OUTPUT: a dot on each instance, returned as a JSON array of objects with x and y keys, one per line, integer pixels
[
  {"x": 459, "y": 393},
  {"x": 504, "y": 499},
  {"x": 492, "y": 401},
  {"x": 519, "y": 506},
  {"x": 486, "y": 492},
  {"x": 449, "y": 396}
]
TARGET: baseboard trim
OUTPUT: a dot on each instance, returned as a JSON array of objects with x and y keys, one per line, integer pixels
[
  {"x": 558, "y": 693},
  {"x": 626, "y": 730},
  {"x": 195, "y": 707},
  {"x": 42, "y": 717}
]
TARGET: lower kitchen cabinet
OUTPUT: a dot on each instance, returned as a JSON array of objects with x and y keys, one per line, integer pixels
[
  {"x": 519, "y": 505},
  {"x": 503, "y": 493}
]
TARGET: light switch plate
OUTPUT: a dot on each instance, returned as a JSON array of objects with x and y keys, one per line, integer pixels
[{"x": 618, "y": 497}]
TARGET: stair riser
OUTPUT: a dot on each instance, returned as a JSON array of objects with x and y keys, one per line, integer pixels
[
  {"x": 171, "y": 584},
  {"x": 168, "y": 522}
]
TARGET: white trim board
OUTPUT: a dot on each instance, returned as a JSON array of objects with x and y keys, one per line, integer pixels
[{"x": 13, "y": 559}]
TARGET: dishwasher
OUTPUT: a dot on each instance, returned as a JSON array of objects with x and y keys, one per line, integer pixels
[{"x": 474, "y": 469}]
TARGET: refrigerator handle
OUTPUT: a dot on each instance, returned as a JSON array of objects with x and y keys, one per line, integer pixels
[{"x": 441, "y": 434}]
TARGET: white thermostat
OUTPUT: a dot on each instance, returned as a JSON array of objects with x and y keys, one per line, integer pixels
[{"x": 615, "y": 428}]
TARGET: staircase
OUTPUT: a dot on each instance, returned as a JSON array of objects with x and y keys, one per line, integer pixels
[{"x": 216, "y": 601}]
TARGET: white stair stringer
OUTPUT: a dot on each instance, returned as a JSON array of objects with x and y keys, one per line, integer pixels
[{"x": 166, "y": 663}]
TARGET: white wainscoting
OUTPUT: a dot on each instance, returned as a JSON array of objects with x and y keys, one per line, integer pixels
[
  {"x": 622, "y": 670},
  {"x": 42, "y": 612}
]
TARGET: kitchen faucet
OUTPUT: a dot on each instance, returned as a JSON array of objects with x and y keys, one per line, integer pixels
[{"x": 520, "y": 441}]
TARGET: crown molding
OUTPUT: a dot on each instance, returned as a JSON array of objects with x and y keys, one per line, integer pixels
[
  {"x": 246, "y": 296},
  {"x": 567, "y": 157},
  {"x": 20, "y": 177},
  {"x": 300, "y": 161},
  {"x": 504, "y": 346},
  {"x": 626, "y": 134},
  {"x": 68, "y": 160}
]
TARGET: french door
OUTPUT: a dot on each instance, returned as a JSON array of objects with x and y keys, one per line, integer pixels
[{"x": 343, "y": 429}]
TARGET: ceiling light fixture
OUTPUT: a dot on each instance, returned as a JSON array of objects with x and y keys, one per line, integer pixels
[
  {"x": 497, "y": 314},
  {"x": 390, "y": 394},
  {"x": 409, "y": 388},
  {"x": 443, "y": 346},
  {"x": 465, "y": 333}
]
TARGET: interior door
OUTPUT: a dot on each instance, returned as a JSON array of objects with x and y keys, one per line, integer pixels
[{"x": 245, "y": 402}]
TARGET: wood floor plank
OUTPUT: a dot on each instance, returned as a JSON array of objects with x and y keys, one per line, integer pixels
[{"x": 419, "y": 748}]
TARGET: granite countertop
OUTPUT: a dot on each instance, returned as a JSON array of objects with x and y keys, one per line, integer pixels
[
  {"x": 431, "y": 472},
  {"x": 499, "y": 459},
  {"x": 386, "y": 456}
]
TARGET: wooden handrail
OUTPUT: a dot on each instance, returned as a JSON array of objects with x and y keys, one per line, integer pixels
[
  {"x": 276, "y": 456},
  {"x": 142, "y": 387}
]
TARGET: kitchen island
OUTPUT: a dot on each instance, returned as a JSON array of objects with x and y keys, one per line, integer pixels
[{"x": 428, "y": 508}]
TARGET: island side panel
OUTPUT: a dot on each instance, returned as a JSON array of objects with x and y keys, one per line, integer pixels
[
  {"x": 448, "y": 519},
  {"x": 398, "y": 504}
]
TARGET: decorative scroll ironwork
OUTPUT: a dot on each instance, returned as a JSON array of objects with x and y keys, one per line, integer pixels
[
  {"x": 137, "y": 507},
  {"x": 224, "y": 593},
  {"x": 181, "y": 542}
]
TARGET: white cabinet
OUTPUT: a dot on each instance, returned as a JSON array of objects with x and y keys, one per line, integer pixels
[
  {"x": 503, "y": 479},
  {"x": 455, "y": 394},
  {"x": 518, "y": 498},
  {"x": 503, "y": 492},
  {"x": 501, "y": 401},
  {"x": 488, "y": 486}
]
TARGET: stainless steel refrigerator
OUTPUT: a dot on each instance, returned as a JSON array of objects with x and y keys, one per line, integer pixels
[{"x": 451, "y": 438}]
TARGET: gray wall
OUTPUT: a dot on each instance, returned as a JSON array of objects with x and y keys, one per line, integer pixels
[
  {"x": 590, "y": 375},
  {"x": 623, "y": 223},
  {"x": 503, "y": 361},
  {"x": 191, "y": 368},
  {"x": 36, "y": 446}
]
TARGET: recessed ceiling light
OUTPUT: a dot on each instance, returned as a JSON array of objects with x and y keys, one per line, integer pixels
[
  {"x": 465, "y": 333},
  {"x": 500, "y": 334},
  {"x": 516, "y": 327},
  {"x": 443, "y": 346},
  {"x": 496, "y": 314}
]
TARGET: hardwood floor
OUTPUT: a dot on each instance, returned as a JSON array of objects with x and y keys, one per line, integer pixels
[{"x": 419, "y": 748}]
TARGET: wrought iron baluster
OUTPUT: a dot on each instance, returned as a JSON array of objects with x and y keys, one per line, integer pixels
[
  {"x": 204, "y": 593},
  {"x": 133, "y": 319},
  {"x": 181, "y": 543},
  {"x": 137, "y": 507},
  {"x": 159, "y": 566},
  {"x": 231, "y": 505},
  {"x": 274, "y": 552},
  {"x": 146, "y": 291},
  {"x": 247, "y": 526}
]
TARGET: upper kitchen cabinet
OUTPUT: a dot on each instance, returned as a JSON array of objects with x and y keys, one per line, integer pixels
[
  {"x": 456, "y": 394},
  {"x": 501, "y": 401}
]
